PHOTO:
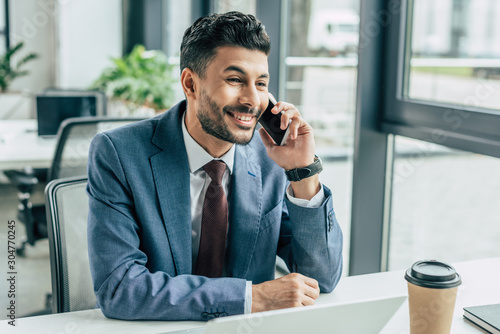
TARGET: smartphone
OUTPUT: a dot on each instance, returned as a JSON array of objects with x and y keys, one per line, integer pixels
[{"x": 271, "y": 123}]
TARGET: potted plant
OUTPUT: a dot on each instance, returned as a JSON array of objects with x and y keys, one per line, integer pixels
[
  {"x": 11, "y": 102},
  {"x": 138, "y": 81}
]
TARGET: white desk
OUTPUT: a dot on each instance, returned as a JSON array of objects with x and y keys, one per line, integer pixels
[
  {"x": 480, "y": 286},
  {"x": 20, "y": 145}
]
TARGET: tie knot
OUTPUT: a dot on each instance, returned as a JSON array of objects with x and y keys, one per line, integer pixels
[{"x": 215, "y": 169}]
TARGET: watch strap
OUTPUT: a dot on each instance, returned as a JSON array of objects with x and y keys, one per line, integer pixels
[{"x": 298, "y": 174}]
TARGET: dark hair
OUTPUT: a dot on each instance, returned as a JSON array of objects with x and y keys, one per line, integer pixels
[{"x": 201, "y": 40}]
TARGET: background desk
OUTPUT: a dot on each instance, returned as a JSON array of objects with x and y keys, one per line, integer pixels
[
  {"x": 480, "y": 286},
  {"x": 20, "y": 145}
]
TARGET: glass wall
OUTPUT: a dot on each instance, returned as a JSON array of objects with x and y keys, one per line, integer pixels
[
  {"x": 318, "y": 75},
  {"x": 445, "y": 204}
]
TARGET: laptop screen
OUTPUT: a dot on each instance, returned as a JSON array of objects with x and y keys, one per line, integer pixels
[{"x": 53, "y": 110}]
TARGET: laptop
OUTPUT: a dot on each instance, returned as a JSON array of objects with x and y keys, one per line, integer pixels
[
  {"x": 53, "y": 108},
  {"x": 367, "y": 316}
]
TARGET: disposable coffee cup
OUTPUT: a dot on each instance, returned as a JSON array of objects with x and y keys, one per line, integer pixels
[{"x": 432, "y": 292}]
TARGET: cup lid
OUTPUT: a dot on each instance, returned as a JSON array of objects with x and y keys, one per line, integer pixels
[{"x": 433, "y": 274}]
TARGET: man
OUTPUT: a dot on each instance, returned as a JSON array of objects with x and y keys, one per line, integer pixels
[{"x": 156, "y": 251}]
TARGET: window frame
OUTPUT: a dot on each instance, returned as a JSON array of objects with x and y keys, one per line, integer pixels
[
  {"x": 373, "y": 150},
  {"x": 383, "y": 112},
  {"x": 458, "y": 126}
]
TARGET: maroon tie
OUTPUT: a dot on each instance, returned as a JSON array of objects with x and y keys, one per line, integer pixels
[{"x": 210, "y": 259}]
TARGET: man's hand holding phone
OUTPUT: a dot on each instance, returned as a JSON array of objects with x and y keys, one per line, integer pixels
[
  {"x": 298, "y": 151},
  {"x": 271, "y": 122}
]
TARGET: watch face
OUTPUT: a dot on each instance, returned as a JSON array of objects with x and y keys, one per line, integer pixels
[{"x": 304, "y": 172}]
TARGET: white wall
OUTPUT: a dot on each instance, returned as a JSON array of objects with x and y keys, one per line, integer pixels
[
  {"x": 73, "y": 38},
  {"x": 32, "y": 21},
  {"x": 89, "y": 32}
]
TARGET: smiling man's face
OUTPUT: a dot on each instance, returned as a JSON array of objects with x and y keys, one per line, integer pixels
[{"x": 233, "y": 94}]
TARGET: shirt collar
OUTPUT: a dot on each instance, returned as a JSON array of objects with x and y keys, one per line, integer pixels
[{"x": 198, "y": 157}]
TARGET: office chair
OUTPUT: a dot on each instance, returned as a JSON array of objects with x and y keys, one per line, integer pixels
[
  {"x": 67, "y": 211},
  {"x": 70, "y": 159}
]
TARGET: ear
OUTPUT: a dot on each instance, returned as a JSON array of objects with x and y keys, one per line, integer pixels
[{"x": 189, "y": 81}]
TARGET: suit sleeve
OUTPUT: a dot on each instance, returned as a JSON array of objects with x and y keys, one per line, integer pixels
[
  {"x": 125, "y": 288},
  {"x": 311, "y": 242}
]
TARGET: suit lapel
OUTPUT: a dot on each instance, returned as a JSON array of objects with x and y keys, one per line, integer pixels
[
  {"x": 171, "y": 176},
  {"x": 245, "y": 212},
  {"x": 175, "y": 201}
]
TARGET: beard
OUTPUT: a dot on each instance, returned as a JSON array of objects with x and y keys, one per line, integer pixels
[{"x": 213, "y": 122}]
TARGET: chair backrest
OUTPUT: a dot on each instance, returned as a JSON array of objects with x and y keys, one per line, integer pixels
[
  {"x": 73, "y": 142},
  {"x": 67, "y": 210}
]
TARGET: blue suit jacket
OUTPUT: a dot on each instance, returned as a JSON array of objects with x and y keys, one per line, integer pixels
[{"x": 139, "y": 226}]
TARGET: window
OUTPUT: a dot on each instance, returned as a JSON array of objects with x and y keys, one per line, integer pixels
[
  {"x": 320, "y": 68},
  {"x": 177, "y": 18},
  {"x": 455, "y": 54},
  {"x": 244, "y": 6},
  {"x": 3, "y": 27},
  {"x": 445, "y": 204},
  {"x": 434, "y": 92},
  {"x": 319, "y": 41},
  {"x": 427, "y": 71}
]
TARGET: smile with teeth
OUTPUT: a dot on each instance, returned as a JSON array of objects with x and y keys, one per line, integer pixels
[{"x": 243, "y": 118}]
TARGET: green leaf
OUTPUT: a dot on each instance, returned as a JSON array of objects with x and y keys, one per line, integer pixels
[
  {"x": 8, "y": 72},
  {"x": 13, "y": 50},
  {"x": 141, "y": 78},
  {"x": 26, "y": 59}
]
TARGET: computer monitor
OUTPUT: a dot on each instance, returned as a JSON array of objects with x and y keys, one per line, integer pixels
[{"x": 52, "y": 108}]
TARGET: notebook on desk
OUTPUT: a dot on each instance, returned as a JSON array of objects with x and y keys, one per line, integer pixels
[
  {"x": 368, "y": 316},
  {"x": 485, "y": 316}
]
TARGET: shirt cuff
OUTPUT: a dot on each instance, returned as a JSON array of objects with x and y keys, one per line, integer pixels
[
  {"x": 248, "y": 298},
  {"x": 314, "y": 202}
]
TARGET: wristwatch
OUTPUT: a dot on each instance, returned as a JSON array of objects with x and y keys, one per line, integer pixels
[{"x": 298, "y": 174}]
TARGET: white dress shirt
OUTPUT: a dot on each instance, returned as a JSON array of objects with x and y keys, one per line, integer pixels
[{"x": 199, "y": 181}]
